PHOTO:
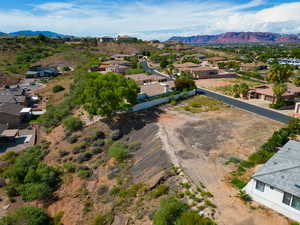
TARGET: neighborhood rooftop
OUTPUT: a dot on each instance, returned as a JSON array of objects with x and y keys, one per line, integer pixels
[{"x": 282, "y": 171}]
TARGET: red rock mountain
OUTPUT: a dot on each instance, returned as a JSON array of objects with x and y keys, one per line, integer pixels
[{"x": 240, "y": 37}]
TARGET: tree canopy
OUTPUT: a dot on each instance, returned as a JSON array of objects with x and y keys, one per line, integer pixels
[
  {"x": 279, "y": 73},
  {"x": 184, "y": 84},
  {"x": 105, "y": 94},
  {"x": 278, "y": 90},
  {"x": 28, "y": 215}
]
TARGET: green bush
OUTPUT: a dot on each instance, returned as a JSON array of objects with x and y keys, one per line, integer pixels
[
  {"x": 238, "y": 183},
  {"x": 57, "y": 88},
  {"x": 159, "y": 191},
  {"x": 193, "y": 218},
  {"x": 72, "y": 123},
  {"x": 30, "y": 178},
  {"x": 27, "y": 215},
  {"x": 118, "y": 150},
  {"x": 176, "y": 212},
  {"x": 170, "y": 209},
  {"x": 103, "y": 219},
  {"x": 55, "y": 114}
]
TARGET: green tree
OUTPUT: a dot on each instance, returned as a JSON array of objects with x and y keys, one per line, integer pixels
[
  {"x": 279, "y": 73},
  {"x": 296, "y": 81},
  {"x": 105, "y": 94},
  {"x": 27, "y": 215},
  {"x": 243, "y": 89},
  {"x": 279, "y": 89},
  {"x": 184, "y": 84}
]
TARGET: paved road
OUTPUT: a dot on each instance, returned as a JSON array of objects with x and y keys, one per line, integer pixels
[
  {"x": 249, "y": 107},
  {"x": 151, "y": 70}
]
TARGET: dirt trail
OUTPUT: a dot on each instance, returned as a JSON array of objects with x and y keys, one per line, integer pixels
[{"x": 201, "y": 143}]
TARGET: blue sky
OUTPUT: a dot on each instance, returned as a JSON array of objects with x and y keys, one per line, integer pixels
[{"x": 150, "y": 19}]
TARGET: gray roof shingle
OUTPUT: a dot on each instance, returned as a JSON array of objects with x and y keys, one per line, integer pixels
[{"x": 282, "y": 171}]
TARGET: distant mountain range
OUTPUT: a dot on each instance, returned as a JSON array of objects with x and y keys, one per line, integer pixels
[
  {"x": 33, "y": 33},
  {"x": 239, "y": 37}
]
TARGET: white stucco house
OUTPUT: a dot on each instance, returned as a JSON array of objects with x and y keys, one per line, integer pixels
[{"x": 277, "y": 184}]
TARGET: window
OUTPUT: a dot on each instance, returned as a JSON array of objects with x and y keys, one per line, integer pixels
[
  {"x": 271, "y": 187},
  {"x": 287, "y": 198},
  {"x": 260, "y": 186},
  {"x": 296, "y": 203}
]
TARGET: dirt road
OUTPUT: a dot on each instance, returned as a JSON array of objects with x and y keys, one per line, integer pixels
[{"x": 201, "y": 143}]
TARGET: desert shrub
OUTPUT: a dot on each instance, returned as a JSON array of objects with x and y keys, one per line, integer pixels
[
  {"x": 84, "y": 173},
  {"x": 28, "y": 215},
  {"x": 57, "y": 218},
  {"x": 208, "y": 203},
  {"x": 238, "y": 183},
  {"x": 118, "y": 150},
  {"x": 193, "y": 218},
  {"x": 72, "y": 123},
  {"x": 57, "y": 88},
  {"x": 72, "y": 139},
  {"x": 103, "y": 219},
  {"x": 134, "y": 146},
  {"x": 115, "y": 190},
  {"x": 69, "y": 167},
  {"x": 159, "y": 191},
  {"x": 244, "y": 196}
]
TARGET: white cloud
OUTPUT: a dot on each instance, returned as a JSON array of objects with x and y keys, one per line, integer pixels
[{"x": 150, "y": 21}]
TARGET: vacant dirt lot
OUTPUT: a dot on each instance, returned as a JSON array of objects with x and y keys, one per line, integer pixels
[
  {"x": 201, "y": 144},
  {"x": 213, "y": 84}
]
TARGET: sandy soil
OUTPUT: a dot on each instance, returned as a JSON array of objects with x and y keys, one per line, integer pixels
[
  {"x": 214, "y": 83},
  {"x": 201, "y": 143}
]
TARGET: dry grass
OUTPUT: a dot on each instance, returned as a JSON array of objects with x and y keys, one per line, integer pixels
[
  {"x": 55, "y": 98},
  {"x": 202, "y": 104}
]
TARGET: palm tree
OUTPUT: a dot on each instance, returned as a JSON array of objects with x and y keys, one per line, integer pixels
[
  {"x": 279, "y": 89},
  {"x": 279, "y": 73},
  {"x": 243, "y": 89}
]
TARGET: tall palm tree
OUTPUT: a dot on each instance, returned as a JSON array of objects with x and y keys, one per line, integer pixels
[{"x": 279, "y": 73}]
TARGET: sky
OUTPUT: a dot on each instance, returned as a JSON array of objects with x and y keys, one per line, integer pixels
[{"x": 150, "y": 19}]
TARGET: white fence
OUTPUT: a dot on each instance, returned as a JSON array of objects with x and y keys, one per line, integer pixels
[{"x": 149, "y": 104}]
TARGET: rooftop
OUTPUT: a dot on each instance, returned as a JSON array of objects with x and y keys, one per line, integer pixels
[
  {"x": 199, "y": 69},
  {"x": 156, "y": 88},
  {"x": 145, "y": 77},
  {"x": 10, "y": 108},
  {"x": 282, "y": 171},
  {"x": 267, "y": 89},
  {"x": 185, "y": 65}
]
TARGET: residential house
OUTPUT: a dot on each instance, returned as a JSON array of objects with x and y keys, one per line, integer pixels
[
  {"x": 214, "y": 60},
  {"x": 126, "y": 38},
  {"x": 253, "y": 66},
  {"x": 277, "y": 184},
  {"x": 115, "y": 66},
  {"x": 185, "y": 65},
  {"x": 289, "y": 61},
  {"x": 121, "y": 57},
  {"x": 14, "y": 96},
  {"x": 155, "y": 89},
  {"x": 106, "y": 39},
  {"x": 265, "y": 92},
  {"x": 41, "y": 71},
  {"x": 12, "y": 115},
  {"x": 143, "y": 78},
  {"x": 200, "y": 72}
]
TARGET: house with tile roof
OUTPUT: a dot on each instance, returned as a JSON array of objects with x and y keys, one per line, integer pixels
[{"x": 277, "y": 184}]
